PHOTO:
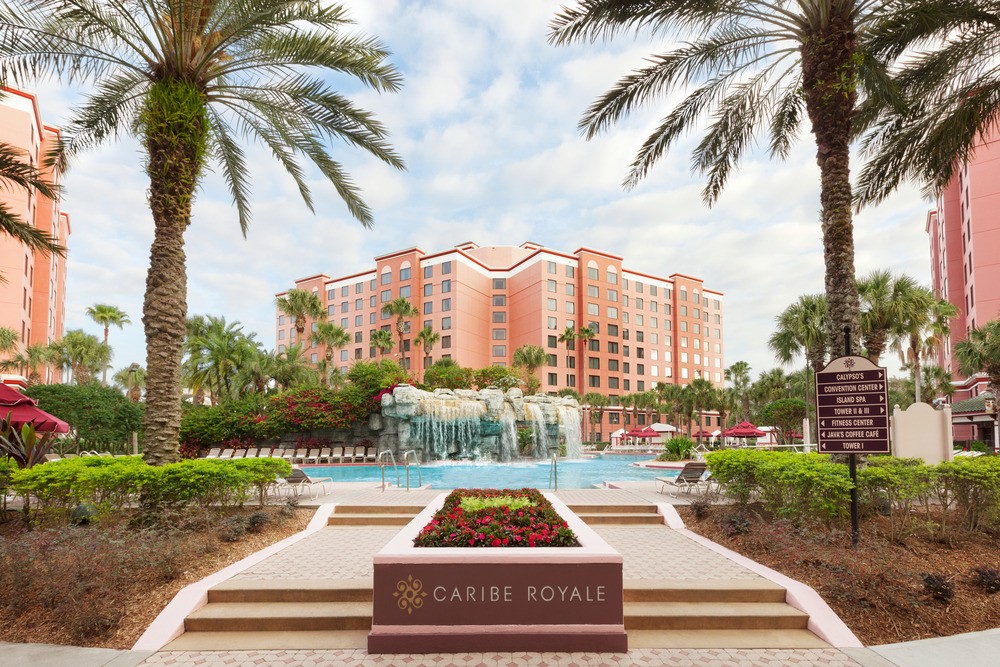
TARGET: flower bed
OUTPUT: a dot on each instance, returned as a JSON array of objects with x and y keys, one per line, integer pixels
[{"x": 496, "y": 518}]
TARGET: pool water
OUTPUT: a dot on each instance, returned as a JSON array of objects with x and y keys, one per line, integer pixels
[{"x": 573, "y": 474}]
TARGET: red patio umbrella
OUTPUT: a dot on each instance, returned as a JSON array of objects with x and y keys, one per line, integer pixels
[
  {"x": 744, "y": 430},
  {"x": 25, "y": 410},
  {"x": 701, "y": 434},
  {"x": 641, "y": 433}
]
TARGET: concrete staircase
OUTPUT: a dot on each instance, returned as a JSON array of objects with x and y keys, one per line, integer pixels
[
  {"x": 617, "y": 514},
  {"x": 373, "y": 515}
]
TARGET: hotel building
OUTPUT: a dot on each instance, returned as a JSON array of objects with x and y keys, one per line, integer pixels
[
  {"x": 33, "y": 295},
  {"x": 486, "y": 302}
]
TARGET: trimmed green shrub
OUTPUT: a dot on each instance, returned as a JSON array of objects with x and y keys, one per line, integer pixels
[
  {"x": 102, "y": 418},
  {"x": 898, "y": 484},
  {"x": 677, "y": 448},
  {"x": 447, "y": 376},
  {"x": 500, "y": 377},
  {"x": 371, "y": 377},
  {"x": 975, "y": 486}
]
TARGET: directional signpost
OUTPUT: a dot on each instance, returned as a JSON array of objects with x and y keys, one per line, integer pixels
[{"x": 852, "y": 408}]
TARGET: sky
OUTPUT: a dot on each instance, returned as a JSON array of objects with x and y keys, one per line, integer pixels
[{"x": 487, "y": 124}]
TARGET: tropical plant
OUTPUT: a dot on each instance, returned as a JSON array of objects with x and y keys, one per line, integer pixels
[
  {"x": 382, "y": 340},
  {"x": 738, "y": 375},
  {"x": 82, "y": 353},
  {"x": 107, "y": 315},
  {"x": 17, "y": 172},
  {"x": 595, "y": 404},
  {"x": 402, "y": 310},
  {"x": 786, "y": 414},
  {"x": 530, "y": 358},
  {"x": 28, "y": 362},
  {"x": 291, "y": 370},
  {"x": 702, "y": 396},
  {"x": 756, "y": 68},
  {"x": 189, "y": 78},
  {"x": 885, "y": 302},
  {"x": 447, "y": 374},
  {"x": 131, "y": 380},
  {"x": 301, "y": 305},
  {"x": 585, "y": 335},
  {"x": 216, "y": 351},
  {"x": 669, "y": 398},
  {"x": 332, "y": 337},
  {"x": 23, "y": 444},
  {"x": 920, "y": 330},
  {"x": 427, "y": 338},
  {"x": 8, "y": 339},
  {"x": 980, "y": 353}
]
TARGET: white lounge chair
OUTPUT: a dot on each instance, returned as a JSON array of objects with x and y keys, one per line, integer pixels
[{"x": 690, "y": 477}]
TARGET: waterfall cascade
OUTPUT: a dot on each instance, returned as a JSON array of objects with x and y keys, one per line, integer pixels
[{"x": 468, "y": 424}]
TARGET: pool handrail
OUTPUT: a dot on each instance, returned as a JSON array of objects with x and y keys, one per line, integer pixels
[
  {"x": 406, "y": 464},
  {"x": 554, "y": 469},
  {"x": 383, "y": 460}
]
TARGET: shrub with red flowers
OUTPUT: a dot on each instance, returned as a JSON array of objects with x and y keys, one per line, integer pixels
[
  {"x": 531, "y": 524},
  {"x": 315, "y": 408}
]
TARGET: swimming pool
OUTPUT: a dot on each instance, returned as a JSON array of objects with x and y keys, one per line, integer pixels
[{"x": 573, "y": 474}]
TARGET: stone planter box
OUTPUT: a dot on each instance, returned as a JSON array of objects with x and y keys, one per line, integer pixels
[{"x": 446, "y": 600}]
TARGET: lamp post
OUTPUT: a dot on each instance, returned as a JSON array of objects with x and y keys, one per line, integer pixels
[{"x": 133, "y": 371}]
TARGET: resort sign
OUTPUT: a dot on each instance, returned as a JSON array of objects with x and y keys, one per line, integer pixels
[{"x": 852, "y": 407}]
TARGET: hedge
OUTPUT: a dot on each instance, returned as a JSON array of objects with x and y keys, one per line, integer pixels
[
  {"x": 109, "y": 485},
  {"x": 101, "y": 417}
]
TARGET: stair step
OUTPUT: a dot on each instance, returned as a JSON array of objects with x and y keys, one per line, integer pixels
[
  {"x": 780, "y": 639},
  {"x": 239, "y": 641},
  {"x": 369, "y": 519},
  {"x": 412, "y": 510},
  {"x": 280, "y": 616},
  {"x": 299, "y": 590},
  {"x": 609, "y": 518},
  {"x": 613, "y": 509},
  {"x": 713, "y": 616},
  {"x": 679, "y": 590}
]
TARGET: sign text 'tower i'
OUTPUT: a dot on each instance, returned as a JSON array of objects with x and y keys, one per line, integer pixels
[{"x": 852, "y": 407}]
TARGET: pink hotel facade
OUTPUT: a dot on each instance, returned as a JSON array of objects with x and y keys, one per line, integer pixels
[
  {"x": 486, "y": 302},
  {"x": 964, "y": 234},
  {"x": 33, "y": 296}
]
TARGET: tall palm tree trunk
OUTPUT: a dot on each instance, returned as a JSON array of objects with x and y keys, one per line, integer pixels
[
  {"x": 104, "y": 375},
  {"x": 829, "y": 73},
  {"x": 175, "y": 130}
]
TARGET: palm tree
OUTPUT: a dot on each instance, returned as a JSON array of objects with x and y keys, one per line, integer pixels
[
  {"x": 885, "y": 298},
  {"x": 427, "y": 338},
  {"x": 28, "y": 362},
  {"x": 739, "y": 376},
  {"x": 920, "y": 330},
  {"x": 531, "y": 358},
  {"x": 403, "y": 310},
  {"x": 584, "y": 335},
  {"x": 980, "y": 353},
  {"x": 382, "y": 339},
  {"x": 106, "y": 316},
  {"x": 292, "y": 370},
  {"x": 702, "y": 396},
  {"x": 82, "y": 353},
  {"x": 669, "y": 396},
  {"x": 216, "y": 352},
  {"x": 190, "y": 78},
  {"x": 757, "y": 68},
  {"x": 9, "y": 340},
  {"x": 17, "y": 172},
  {"x": 595, "y": 404},
  {"x": 131, "y": 380},
  {"x": 299, "y": 305},
  {"x": 332, "y": 336}
]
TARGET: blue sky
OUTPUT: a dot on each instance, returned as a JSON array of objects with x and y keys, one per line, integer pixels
[{"x": 486, "y": 122}]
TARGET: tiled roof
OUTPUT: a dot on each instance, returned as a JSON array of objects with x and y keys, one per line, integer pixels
[{"x": 974, "y": 404}]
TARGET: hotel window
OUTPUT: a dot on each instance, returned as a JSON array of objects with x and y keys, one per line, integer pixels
[
  {"x": 640, "y": 352},
  {"x": 428, "y": 271},
  {"x": 359, "y": 304},
  {"x": 570, "y": 361},
  {"x": 313, "y": 358},
  {"x": 570, "y": 308},
  {"x": 593, "y": 292},
  {"x": 330, "y": 294},
  {"x": 406, "y": 343},
  {"x": 570, "y": 272},
  {"x": 551, "y": 360},
  {"x": 357, "y": 336},
  {"x": 445, "y": 268},
  {"x": 404, "y": 292},
  {"x": 500, "y": 316},
  {"x": 552, "y": 267},
  {"x": 684, "y": 357},
  {"x": 697, "y": 313},
  {"x": 639, "y": 336},
  {"x": 613, "y": 365},
  {"x": 593, "y": 309},
  {"x": 652, "y": 306},
  {"x": 638, "y": 320},
  {"x": 684, "y": 326},
  {"x": 552, "y": 323},
  {"x": 344, "y": 307},
  {"x": 445, "y": 323},
  {"x": 331, "y": 309},
  {"x": 445, "y": 286},
  {"x": 684, "y": 294},
  {"x": 638, "y": 303},
  {"x": 358, "y": 288},
  {"x": 445, "y": 305},
  {"x": 343, "y": 322},
  {"x": 428, "y": 323},
  {"x": 553, "y": 378},
  {"x": 358, "y": 320},
  {"x": 499, "y": 300},
  {"x": 612, "y": 295},
  {"x": 684, "y": 341},
  {"x": 613, "y": 330},
  {"x": 612, "y": 313},
  {"x": 594, "y": 363},
  {"x": 625, "y": 300},
  {"x": 281, "y": 320},
  {"x": 357, "y": 353},
  {"x": 371, "y": 318},
  {"x": 684, "y": 311},
  {"x": 281, "y": 348},
  {"x": 594, "y": 345},
  {"x": 499, "y": 334},
  {"x": 428, "y": 307},
  {"x": 684, "y": 373},
  {"x": 613, "y": 384},
  {"x": 386, "y": 295},
  {"x": 593, "y": 273},
  {"x": 499, "y": 283},
  {"x": 570, "y": 289},
  {"x": 386, "y": 277},
  {"x": 551, "y": 305},
  {"x": 371, "y": 284},
  {"x": 404, "y": 274},
  {"x": 697, "y": 343},
  {"x": 499, "y": 350},
  {"x": 718, "y": 319},
  {"x": 626, "y": 368},
  {"x": 594, "y": 380},
  {"x": 640, "y": 385},
  {"x": 612, "y": 347},
  {"x": 570, "y": 380},
  {"x": 344, "y": 291},
  {"x": 553, "y": 341},
  {"x": 695, "y": 298},
  {"x": 612, "y": 277},
  {"x": 343, "y": 355},
  {"x": 371, "y": 301},
  {"x": 551, "y": 285},
  {"x": 446, "y": 342},
  {"x": 281, "y": 335},
  {"x": 428, "y": 289},
  {"x": 595, "y": 327}
]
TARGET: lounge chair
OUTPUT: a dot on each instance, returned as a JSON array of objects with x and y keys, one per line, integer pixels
[
  {"x": 287, "y": 454},
  {"x": 239, "y": 453},
  {"x": 251, "y": 453},
  {"x": 53, "y": 457},
  {"x": 313, "y": 456},
  {"x": 264, "y": 453},
  {"x": 348, "y": 455},
  {"x": 372, "y": 454},
  {"x": 338, "y": 453},
  {"x": 213, "y": 453},
  {"x": 969, "y": 454},
  {"x": 300, "y": 455},
  {"x": 70, "y": 456},
  {"x": 690, "y": 477},
  {"x": 299, "y": 480},
  {"x": 324, "y": 456},
  {"x": 226, "y": 454}
]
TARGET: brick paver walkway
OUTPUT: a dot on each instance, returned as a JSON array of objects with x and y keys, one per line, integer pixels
[{"x": 335, "y": 552}]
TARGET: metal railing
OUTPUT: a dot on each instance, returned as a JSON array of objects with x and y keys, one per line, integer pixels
[
  {"x": 385, "y": 457},
  {"x": 554, "y": 469},
  {"x": 412, "y": 453}
]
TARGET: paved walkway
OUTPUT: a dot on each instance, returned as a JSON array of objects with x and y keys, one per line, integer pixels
[{"x": 650, "y": 552}]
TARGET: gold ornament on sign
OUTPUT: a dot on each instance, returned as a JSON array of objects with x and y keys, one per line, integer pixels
[{"x": 410, "y": 594}]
